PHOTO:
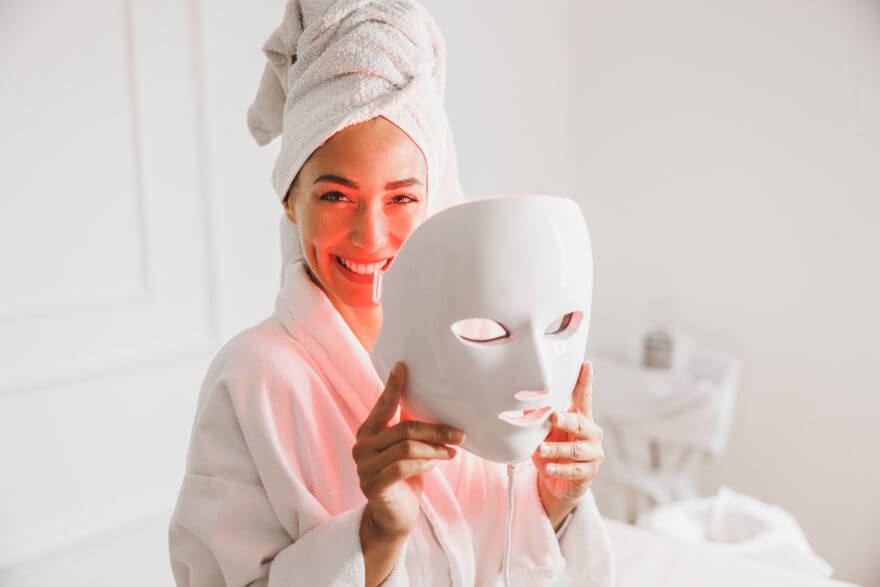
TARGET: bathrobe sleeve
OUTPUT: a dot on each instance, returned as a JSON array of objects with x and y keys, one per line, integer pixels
[
  {"x": 247, "y": 512},
  {"x": 580, "y": 556},
  {"x": 586, "y": 546}
]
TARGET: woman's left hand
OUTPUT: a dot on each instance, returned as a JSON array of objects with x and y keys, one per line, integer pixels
[{"x": 570, "y": 456}]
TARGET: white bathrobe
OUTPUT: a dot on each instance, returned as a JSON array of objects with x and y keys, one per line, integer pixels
[{"x": 271, "y": 496}]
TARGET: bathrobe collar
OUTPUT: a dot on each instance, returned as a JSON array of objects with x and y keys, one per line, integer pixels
[
  {"x": 310, "y": 318},
  {"x": 308, "y": 315}
]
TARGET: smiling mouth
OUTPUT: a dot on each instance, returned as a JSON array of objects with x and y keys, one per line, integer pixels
[
  {"x": 525, "y": 418},
  {"x": 361, "y": 269}
]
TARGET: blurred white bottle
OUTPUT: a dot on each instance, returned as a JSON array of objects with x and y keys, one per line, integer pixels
[{"x": 657, "y": 346}]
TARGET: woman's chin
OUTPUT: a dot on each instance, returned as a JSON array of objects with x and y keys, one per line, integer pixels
[
  {"x": 361, "y": 301},
  {"x": 353, "y": 289},
  {"x": 355, "y": 296}
]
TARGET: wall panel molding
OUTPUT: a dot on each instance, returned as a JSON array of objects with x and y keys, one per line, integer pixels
[{"x": 164, "y": 301}]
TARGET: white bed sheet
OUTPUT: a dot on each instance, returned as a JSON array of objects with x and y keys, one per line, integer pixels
[{"x": 645, "y": 559}]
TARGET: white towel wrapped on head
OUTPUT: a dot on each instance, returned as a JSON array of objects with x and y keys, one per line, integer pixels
[{"x": 333, "y": 64}]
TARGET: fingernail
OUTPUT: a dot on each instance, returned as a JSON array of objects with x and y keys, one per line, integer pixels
[
  {"x": 551, "y": 469},
  {"x": 455, "y": 435}
]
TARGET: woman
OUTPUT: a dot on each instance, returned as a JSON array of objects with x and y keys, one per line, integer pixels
[{"x": 299, "y": 470}]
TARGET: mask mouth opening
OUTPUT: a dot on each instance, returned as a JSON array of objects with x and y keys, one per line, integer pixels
[
  {"x": 525, "y": 418},
  {"x": 528, "y": 395}
]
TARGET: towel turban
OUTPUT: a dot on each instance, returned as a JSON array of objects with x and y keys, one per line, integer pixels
[{"x": 332, "y": 64}]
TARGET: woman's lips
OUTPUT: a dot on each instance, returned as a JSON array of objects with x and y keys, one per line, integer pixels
[{"x": 361, "y": 278}]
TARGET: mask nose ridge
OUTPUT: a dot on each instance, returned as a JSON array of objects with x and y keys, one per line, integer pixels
[{"x": 536, "y": 373}]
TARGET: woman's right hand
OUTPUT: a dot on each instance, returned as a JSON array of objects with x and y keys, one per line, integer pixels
[{"x": 392, "y": 461}]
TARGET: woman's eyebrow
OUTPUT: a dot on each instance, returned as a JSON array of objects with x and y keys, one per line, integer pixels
[
  {"x": 402, "y": 183},
  {"x": 391, "y": 185},
  {"x": 337, "y": 179}
]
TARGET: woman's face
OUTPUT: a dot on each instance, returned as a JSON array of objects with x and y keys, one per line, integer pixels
[{"x": 355, "y": 201}]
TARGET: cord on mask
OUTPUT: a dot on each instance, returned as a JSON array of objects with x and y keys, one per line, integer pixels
[
  {"x": 511, "y": 474},
  {"x": 377, "y": 286}
]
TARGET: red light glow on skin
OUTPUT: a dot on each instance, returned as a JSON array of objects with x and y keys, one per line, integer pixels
[{"x": 359, "y": 196}]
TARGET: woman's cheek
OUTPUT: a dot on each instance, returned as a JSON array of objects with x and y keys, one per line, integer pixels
[
  {"x": 320, "y": 229},
  {"x": 409, "y": 222}
]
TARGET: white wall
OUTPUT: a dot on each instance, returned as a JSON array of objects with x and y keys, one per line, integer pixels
[
  {"x": 510, "y": 94},
  {"x": 137, "y": 233},
  {"x": 729, "y": 164}
]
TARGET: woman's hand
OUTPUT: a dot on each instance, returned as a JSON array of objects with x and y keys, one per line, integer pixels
[
  {"x": 392, "y": 461},
  {"x": 570, "y": 456}
]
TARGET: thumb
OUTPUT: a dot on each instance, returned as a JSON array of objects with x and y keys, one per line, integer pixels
[
  {"x": 582, "y": 397},
  {"x": 386, "y": 405},
  {"x": 588, "y": 388}
]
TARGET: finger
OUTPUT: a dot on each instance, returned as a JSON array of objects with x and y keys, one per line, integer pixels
[
  {"x": 412, "y": 430},
  {"x": 582, "y": 395},
  {"x": 397, "y": 471},
  {"x": 572, "y": 471},
  {"x": 404, "y": 450},
  {"x": 386, "y": 405},
  {"x": 576, "y": 424},
  {"x": 575, "y": 451}
]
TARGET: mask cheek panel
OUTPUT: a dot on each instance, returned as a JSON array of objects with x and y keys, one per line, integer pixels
[{"x": 482, "y": 331}]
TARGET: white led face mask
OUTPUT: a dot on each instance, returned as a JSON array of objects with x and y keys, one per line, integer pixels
[{"x": 488, "y": 304}]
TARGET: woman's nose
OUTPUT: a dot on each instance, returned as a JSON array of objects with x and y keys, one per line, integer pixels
[{"x": 371, "y": 229}]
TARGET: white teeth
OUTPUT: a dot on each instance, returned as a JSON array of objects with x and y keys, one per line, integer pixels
[{"x": 362, "y": 269}]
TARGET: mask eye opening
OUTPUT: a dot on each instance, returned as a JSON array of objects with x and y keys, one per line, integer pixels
[
  {"x": 479, "y": 330},
  {"x": 565, "y": 324}
]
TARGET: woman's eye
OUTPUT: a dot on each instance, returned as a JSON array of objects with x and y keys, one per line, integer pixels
[
  {"x": 332, "y": 196},
  {"x": 407, "y": 201}
]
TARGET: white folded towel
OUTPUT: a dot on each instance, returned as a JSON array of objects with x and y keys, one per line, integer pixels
[
  {"x": 333, "y": 64},
  {"x": 740, "y": 525}
]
